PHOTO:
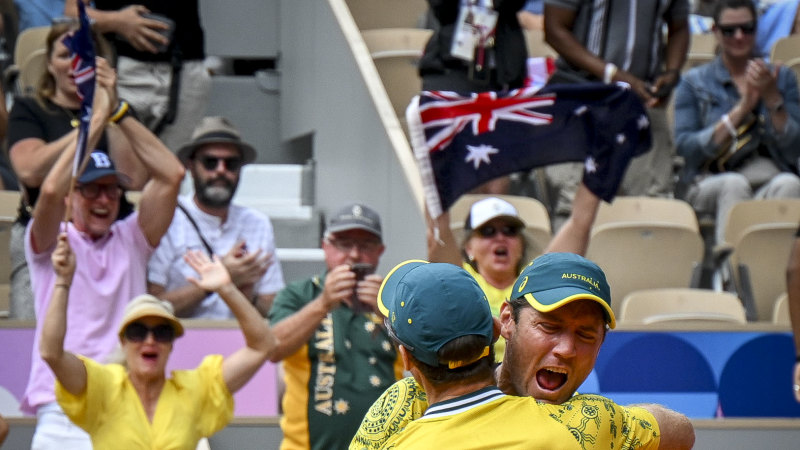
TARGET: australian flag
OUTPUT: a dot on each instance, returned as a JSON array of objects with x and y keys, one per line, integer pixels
[
  {"x": 461, "y": 141},
  {"x": 81, "y": 49}
]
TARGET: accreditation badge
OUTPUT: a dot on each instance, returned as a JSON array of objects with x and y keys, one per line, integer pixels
[{"x": 474, "y": 29}]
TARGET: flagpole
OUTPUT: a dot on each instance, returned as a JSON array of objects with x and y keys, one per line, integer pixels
[{"x": 82, "y": 55}]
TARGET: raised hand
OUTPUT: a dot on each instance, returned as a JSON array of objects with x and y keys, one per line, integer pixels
[
  {"x": 246, "y": 268},
  {"x": 63, "y": 260},
  {"x": 106, "y": 79},
  {"x": 339, "y": 286},
  {"x": 213, "y": 274},
  {"x": 142, "y": 33}
]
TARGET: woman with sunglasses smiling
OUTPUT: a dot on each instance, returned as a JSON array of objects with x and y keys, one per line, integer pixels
[
  {"x": 135, "y": 405},
  {"x": 737, "y": 122}
]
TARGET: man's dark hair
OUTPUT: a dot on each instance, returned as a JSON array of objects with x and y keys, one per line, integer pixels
[
  {"x": 734, "y": 4},
  {"x": 464, "y": 348}
]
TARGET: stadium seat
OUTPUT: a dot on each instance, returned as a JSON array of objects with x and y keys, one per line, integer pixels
[
  {"x": 28, "y": 42},
  {"x": 780, "y": 312},
  {"x": 753, "y": 212},
  {"x": 31, "y": 70},
  {"x": 747, "y": 264},
  {"x": 696, "y": 306},
  {"x": 758, "y": 262},
  {"x": 371, "y": 14},
  {"x": 653, "y": 209},
  {"x": 646, "y": 243},
  {"x": 395, "y": 52},
  {"x": 787, "y": 52},
  {"x": 533, "y": 213},
  {"x": 534, "y": 40},
  {"x": 702, "y": 49}
]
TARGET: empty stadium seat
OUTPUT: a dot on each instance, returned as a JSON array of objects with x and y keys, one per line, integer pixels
[
  {"x": 702, "y": 49},
  {"x": 787, "y": 52},
  {"x": 395, "y": 52},
  {"x": 646, "y": 243},
  {"x": 28, "y": 42},
  {"x": 370, "y": 14},
  {"x": 696, "y": 306},
  {"x": 780, "y": 312},
  {"x": 753, "y": 212},
  {"x": 757, "y": 238},
  {"x": 758, "y": 262},
  {"x": 531, "y": 211}
]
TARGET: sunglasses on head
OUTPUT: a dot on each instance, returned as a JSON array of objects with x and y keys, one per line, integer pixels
[
  {"x": 232, "y": 164},
  {"x": 730, "y": 30},
  {"x": 491, "y": 230},
  {"x": 137, "y": 332}
]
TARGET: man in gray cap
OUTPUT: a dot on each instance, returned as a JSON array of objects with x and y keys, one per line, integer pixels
[
  {"x": 242, "y": 237},
  {"x": 337, "y": 357}
]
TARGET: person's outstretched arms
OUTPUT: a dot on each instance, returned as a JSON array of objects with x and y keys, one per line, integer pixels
[
  {"x": 68, "y": 369},
  {"x": 238, "y": 368}
]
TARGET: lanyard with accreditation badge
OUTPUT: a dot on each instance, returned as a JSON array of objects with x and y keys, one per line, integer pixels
[{"x": 473, "y": 37}]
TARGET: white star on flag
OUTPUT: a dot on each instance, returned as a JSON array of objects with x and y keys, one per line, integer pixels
[
  {"x": 479, "y": 154},
  {"x": 591, "y": 166},
  {"x": 643, "y": 122}
]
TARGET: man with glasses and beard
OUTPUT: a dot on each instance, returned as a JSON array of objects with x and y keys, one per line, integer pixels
[{"x": 208, "y": 221}]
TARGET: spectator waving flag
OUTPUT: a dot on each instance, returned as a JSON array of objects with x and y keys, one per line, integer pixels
[
  {"x": 462, "y": 141},
  {"x": 81, "y": 49}
]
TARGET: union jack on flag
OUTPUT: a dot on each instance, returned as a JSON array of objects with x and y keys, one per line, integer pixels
[
  {"x": 81, "y": 47},
  {"x": 461, "y": 141}
]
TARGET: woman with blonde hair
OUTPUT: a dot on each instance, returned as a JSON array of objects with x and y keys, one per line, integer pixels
[
  {"x": 136, "y": 405},
  {"x": 43, "y": 125}
]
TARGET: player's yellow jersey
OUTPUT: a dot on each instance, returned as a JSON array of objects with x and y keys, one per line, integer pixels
[{"x": 590, "y": 421}]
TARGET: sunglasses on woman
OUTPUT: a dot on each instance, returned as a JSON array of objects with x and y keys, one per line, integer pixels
[
  {"x": 730, "y": 30},
  {"x": 491, "y": 230},
  {"x": 137, "y": 332}
]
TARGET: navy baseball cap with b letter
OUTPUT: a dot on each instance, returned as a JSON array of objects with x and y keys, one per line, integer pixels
[
  {"x": 556, "y": 279},
  {"x": 99, "y": 165},
  {"x": 428, "y": 305}
]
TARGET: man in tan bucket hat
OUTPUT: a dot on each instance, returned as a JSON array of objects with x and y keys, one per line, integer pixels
[{"x": 208, "y": 220}]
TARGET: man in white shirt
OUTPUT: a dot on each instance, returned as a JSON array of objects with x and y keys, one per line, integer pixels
[{"x": 241, "y": 237}]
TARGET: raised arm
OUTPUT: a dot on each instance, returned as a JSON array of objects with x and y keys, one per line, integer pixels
[
  {"x": 442, "y": 247},
  {"x": 573, "y": 236},
  {"x": 142, "y": 33},
  {"x": 50, "y": 206},
  {"x": 160, "y": 193},
  {"x": 296, "y": 329},
  {"x": 238, "y": 368},
  {"x": 68, "y": 369},
  {"x": 677, "y": 432}
]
